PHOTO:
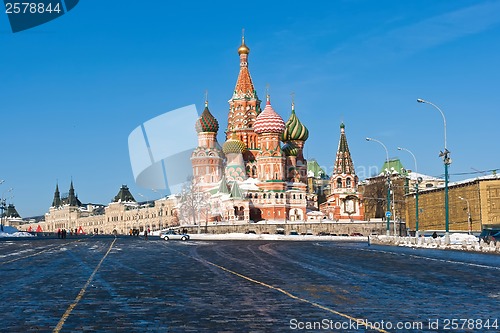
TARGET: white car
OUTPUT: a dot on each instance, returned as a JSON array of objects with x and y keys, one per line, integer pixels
[{"x": 173, "y": 234}]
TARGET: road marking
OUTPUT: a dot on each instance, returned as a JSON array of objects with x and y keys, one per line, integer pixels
[
  {"x": 82, "y": 292},
  {"x": 343, "y": 315},
  {"x": 38, "y": 253},
  {"x": 416, "y": 256}
]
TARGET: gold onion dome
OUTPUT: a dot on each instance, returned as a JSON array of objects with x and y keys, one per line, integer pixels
[
  {"x": 294, "y": 130},
  {"x": 268, "y": 121},
  {"x": 207, "y": 122},
  {"x": 233, "y": 145},
  {"x": 243, "y": 49},
  {"x": 290, "y": 149}
]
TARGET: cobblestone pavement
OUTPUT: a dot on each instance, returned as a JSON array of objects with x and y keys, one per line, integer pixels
[{"x": 128, "y": 284}]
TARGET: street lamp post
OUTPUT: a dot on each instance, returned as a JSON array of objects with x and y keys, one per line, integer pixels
[
  {"x": 447, "y": 161},
  {"x": 388, "y": 216},
  {"x": 417, "y": 182},
  {"x": 469, "y": 218}
]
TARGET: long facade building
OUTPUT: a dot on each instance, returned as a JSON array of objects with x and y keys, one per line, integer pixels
[{"x": 473, "y": 204}]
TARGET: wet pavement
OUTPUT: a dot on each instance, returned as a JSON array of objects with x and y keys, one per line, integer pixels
[{"x": 128, "y": 284}]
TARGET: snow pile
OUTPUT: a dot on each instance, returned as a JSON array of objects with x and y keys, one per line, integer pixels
[
  {"x": 13, "y": 232},
  {"x": 240, "y": 236},
  {"x": 459, "y": 239}
]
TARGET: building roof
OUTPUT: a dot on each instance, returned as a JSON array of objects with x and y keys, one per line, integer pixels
[
  {"x": 124, "y": 195},
  {"x": 223, "y": 187},
  {"x": 233, "y": 145},
  {"x": 343, "y": 161},
  {"x": 268, "y": 121},
  {"x": 11, "y": 212},
  {"x": 394, "y": 166},
  {"x": 207, "y": 122},
  {"x": 294, "y": 129},
  {"x": 236, "y": 191},
  {"x": 314, "y": 170}
]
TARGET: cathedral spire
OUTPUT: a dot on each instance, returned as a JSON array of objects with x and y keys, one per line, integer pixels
[
  {"x": 72, "y": 200},
  {"x": 57, "y": 197},
  {"x": 343, "y": 161},
  {"x": 244, "y": 86}
]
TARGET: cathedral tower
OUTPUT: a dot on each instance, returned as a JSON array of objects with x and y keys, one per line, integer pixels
[
  {"x": 294, "y": 137},
  {"x": 207, "y": 159},
  {"x": 269, "y": 127},
  {"x": 344, "y": 201},
  {"x": 244, "y": 107}
]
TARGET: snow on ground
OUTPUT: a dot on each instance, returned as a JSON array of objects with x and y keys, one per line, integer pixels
[
  {"x": 240, "y": 236},
  {"x": 13, "y": 232},
  {"x": 458, "y": 241}
]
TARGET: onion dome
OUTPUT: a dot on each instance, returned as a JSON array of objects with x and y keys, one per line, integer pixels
[
  {"x": 207, "y": 122},
  {"x": 294, "y": 130},
  {"x": 243, "y": 49},
  {"x": 290, "y": 149},
  {"x": 233, "y": 145},
  {"x": 268, "y": 121}
]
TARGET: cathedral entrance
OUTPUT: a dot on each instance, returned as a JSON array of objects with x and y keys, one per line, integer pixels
[{"x": 255, "y": 214}]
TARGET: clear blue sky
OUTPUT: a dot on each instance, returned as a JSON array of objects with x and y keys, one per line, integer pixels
[{"x": 73, "y": 89}]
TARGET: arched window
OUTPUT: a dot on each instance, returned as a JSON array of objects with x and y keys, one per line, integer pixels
[
  {"x": 339, "y": 183},
  {"x": 348, "y": 182},
  {"x": 281, "y": 196}
]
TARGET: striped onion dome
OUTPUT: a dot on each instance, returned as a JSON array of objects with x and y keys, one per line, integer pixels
[
  {"x": 207, "y": 122},
  {"x": 290, "y": 149},
  {"x": 268, "y": 121},
  {"x": 294, "y": 130},
  {"x": 233, "y": 145}
]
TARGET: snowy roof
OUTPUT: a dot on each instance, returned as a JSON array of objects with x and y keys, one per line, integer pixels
[
  {"x": 250, "y": 184},
  {"x": 415, "y": 175},
  {"x": 465, "y": 181}
]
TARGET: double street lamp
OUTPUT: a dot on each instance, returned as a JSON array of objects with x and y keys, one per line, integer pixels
[
  {"x": 388, "y": 212},
  {"x": 447, "y": 161}
]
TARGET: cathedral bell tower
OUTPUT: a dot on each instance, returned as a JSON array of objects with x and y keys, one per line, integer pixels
[{"x": 244, "y": 107}]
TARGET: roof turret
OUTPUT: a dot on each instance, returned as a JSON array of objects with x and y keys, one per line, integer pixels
[{"x": 268, "y": 121}]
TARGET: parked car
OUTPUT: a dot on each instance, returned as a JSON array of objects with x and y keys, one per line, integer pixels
[
  {"x": 173, "y": 235},
  {"x": 489, "y": 235},
  {"x": 293, "y": 232},
  {"x": 356, "y": 234}
]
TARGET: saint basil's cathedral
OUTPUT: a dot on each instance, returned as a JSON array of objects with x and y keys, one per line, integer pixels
[{"x": 253, "y": 176}]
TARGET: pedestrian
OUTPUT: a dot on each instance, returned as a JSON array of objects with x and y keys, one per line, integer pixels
[
  {"x": 58, "y": 233},
  {"x": 145, "y": 234},
  {"x": 434, "y": 235}
]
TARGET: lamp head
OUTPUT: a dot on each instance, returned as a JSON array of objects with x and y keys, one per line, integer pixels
[
  {"x": 399, "y": 148},
  {"x": 368, "y": 139},
  {"x": 420, "y": 100}
]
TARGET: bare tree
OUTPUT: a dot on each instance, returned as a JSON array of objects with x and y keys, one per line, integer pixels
[{"x": 191, "y": 202}]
